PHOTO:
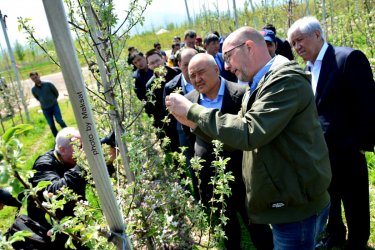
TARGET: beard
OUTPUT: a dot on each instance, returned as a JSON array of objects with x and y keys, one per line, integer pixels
[{"x": 244, "y": 75}]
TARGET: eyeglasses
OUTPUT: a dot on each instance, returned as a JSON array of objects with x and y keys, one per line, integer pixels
[{"x": 227, "y": 55}]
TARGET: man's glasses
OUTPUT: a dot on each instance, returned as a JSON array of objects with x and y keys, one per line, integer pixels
[{"x": 227, "y": 55}]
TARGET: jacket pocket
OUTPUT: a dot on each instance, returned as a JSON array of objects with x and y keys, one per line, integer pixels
[{"x": 263, "y": 192}]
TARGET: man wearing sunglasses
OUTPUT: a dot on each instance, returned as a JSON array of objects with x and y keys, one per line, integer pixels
[{"x": 285, "y": 163}]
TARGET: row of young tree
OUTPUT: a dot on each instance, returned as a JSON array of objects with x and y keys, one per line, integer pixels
[
  {"x": 150, "y": 185},
  {"x": 345, "y": 22}
]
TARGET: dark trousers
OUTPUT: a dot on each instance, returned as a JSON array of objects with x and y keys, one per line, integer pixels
[
  {"x": 51, "y": 112},
  {"x": 349, "y": 185},
  {"x": 260, "y": 234}
]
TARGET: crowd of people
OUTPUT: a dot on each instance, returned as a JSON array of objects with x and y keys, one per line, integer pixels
[
  {"x": 295, "y": 136},
  {"x": 299, "y": 133}
]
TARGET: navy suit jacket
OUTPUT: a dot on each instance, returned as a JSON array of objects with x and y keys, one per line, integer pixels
[
  {"x": 232, "y": 99},
  {"x": 345, "y": 99}
]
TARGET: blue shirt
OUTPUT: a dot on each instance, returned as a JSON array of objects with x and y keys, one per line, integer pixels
[
  {"x": 218, "y": 101},
  {"x": 258, "y": 76},
  {"x": 186, "y": 87}
]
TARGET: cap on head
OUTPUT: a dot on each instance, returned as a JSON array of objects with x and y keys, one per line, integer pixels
[{"x": 268, "y": 35}]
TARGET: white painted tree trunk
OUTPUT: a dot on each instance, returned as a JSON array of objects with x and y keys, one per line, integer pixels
[
  {"x": 253, "y": 11},
  {"x": 15, "y": 70},
  {"x": 82, "y": 111},
  {"x": 235, "y": 14},
  {"x": 114, "y": 116},
  {"x": 187, "y": 12}
]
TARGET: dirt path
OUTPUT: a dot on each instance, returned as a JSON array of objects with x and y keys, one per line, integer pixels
[{"x": 57, "y": 79}]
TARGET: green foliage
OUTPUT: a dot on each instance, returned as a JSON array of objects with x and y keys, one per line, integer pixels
[
  {"x": 6, "y": 244},
  {"x": 158, "y": 208},
  {"x": 20, "y": 51}
]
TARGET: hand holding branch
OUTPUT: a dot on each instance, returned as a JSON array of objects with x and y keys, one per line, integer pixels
[{"x": 179, "y": 106}]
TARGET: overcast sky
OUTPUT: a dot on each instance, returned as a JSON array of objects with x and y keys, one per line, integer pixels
[{"x": 158, "y": 14}]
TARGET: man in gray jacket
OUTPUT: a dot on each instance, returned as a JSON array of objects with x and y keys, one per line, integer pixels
[
  {"x": 285, "y": 163},
  {"x": 47, "y": 94}
]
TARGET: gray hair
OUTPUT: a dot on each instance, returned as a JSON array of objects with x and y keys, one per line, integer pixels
[
  {"x": 305, "y": 25},
  {"x": 63, "y": 138}
]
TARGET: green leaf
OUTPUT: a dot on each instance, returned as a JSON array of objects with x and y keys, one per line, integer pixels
[
  {"x": 21, "y": 128},
  {"x": 4, "y": 177},
  {"x": 17, "y": 187},
  {"x": 43, "y": 184},
  {"x": 48, "y": 218},
  {"x": 69, "y": 243},
  {"x": 20, "y": 236}
]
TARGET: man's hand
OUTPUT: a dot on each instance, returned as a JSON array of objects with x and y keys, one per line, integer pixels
[
  {"x": 183, "y": 120},
  {"x": 179, "y": 107}
]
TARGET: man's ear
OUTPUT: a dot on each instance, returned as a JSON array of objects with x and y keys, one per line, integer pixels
[
  {"x": 217, "y": 70},
  {"x": 317, "y": 34},
  {"x": 61, "y": 150}
]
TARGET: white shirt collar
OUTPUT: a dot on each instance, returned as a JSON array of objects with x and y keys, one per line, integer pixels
[{"x": 320, "y": 55}]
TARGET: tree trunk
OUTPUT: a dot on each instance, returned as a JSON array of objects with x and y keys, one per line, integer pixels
[
  {"x": 235, "y": 14},
  {"x": 324, "y": 17},
  {"x": 100, "y": 53},
  {"x": 187, "y": 13},
  {"x": 307, "y": 8},
  {"x": 253, "y": 11},
  {"x": 16, "y": 73},
  {"x": 72, "y": 74},
  {"x": 290, "y": 12}
]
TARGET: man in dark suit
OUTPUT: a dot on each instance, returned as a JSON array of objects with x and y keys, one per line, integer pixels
[
  {"x": 181, "y": 83},
  {"x": 213, "y": 91},
  {"x": 141, "y": 75},
  {"x": 155, "y": 106},
  {"x": 344, "y": 90}
]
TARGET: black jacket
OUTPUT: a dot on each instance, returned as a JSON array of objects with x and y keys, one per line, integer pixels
[
  {"x": 49, "y": 168},
  {"x": 141, "y": 78},
  {"x": 284, "y": 49},
  {"x": 232, "y": 99},
  {"x": 158, "y": 109},
  {"x": 345, "y": 98}
]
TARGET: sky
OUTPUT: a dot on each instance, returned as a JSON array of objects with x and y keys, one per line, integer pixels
[{"x": 158, "y": 14}]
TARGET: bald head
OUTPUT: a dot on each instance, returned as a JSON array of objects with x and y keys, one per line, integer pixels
[
  {"x": 188, "y": 52},
  {"x": 242, "y": 34},
  {"x": 184, "y": 59},
  {"x": 204, "y": 75},
  {"x": 245, "y": 53},
  {"x": 208, "y": 59}
]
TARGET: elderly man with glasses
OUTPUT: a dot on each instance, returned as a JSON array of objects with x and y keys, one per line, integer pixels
[{"x": 285, "y": 163}]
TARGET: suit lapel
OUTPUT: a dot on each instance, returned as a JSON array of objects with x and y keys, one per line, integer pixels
[
  {"x": 326, "y": 73},
  {"x": 195, "y": 97},
  {"x": 227, "y": 104}
]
